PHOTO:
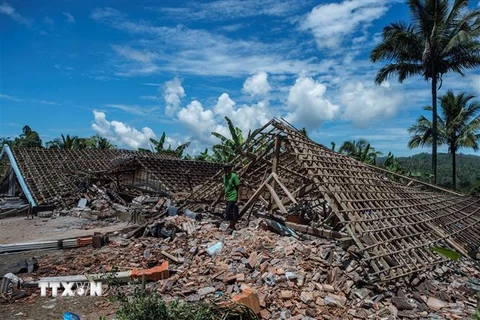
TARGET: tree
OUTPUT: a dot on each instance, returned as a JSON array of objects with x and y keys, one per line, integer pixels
[
  {"x": 64, "y": 142},
  {"x": 158, "y": 147},
  {"x": 360, "y": 150},
  {"x": 304, "y": 132},
  {"x": 228, "y": 149},
  {"x": 28, "y": 139},
  {"x": 441, "y": 39},
  {"x": 458, "y": 126},
  {"x": 4, "y": 141},
  {"x": 204, "y": 156},
  {"x": 101, "y": 143},
  {"x": 333, "y": 145},
  {"x": 77, "y": 143}
]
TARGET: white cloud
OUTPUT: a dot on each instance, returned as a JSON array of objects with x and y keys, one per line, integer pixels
[
  {"x": 475, "y": 82},
  {"x": 307, "y": 104},
  {"x": 16, "y": 99},
  {"x": 231, "y": 9},
  {"x": 137, "y": 62},
  {"x": 367, "y": 104},
  {"x": 257, "y": 85},
  {"x": 150, "y": 98},
  {"x": 330, "y": 23},
  {"x": 134, "y": 109},
  {"x": 7, "y": 9},
  {"x": 70, "y": 18},
  {"x": 198, "y": 121},
  {"x": 173, "y": 92},
  {"x": 41, "y": 101},
  {"x": 104, "y": 13},
  {"x": 177, "y": 50},
  {"x": 136, "y": 55},
  {"x": 224, "y": 106},
  {"x": 121, "y": 133},
  {"x": 246, "y": 117},
  {"x": 11, "y": 98}
]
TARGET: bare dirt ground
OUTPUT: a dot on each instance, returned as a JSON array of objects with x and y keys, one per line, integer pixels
[
  {"x": 19, "y": 229},
  {"x": 47, "y": 308}
]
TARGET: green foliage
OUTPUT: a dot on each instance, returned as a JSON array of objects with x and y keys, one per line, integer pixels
[
  {"x": 390, "y": 162},
  {"x": 100, "y": 143},
  {"x": 142, "y": 306},
  {"x": 468, "y": 175},
  {"x": 333, "y": 145},
  {"x": 204, "y": 156},
  {"x": 4, "y": 141},
  {"x": 158, "y": 146},
  {"x": 27, "y": 139},
  {"x": 443, "y": 37},
  {"x": 145, "y": 305},
  {"x": 360, "y": 150},
  {"x": 228, "y": 149},
  {"x": 304, "y": 132},
  {"x": 447, "y": 253},
  {"x": 458, "y": 126},
  {"x": 77, "y": 143}
]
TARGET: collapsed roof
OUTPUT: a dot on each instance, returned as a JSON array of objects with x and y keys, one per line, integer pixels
[
  {"x": 393, "y": 220},
  {"x": 51, "y": 175}
]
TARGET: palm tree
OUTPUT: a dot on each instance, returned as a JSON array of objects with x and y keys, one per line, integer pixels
[
  {"x": 101, "y": 143},
  {"x": 360, "y": 150},
  {"x": 228, "y": 149},
  {"x": 64, "y": 142},
  {"x": 441, "y": 39},
  {"x": 458, "y": 126}
]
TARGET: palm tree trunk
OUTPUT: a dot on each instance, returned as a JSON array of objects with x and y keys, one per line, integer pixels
[
  {"x": 454, "y": 169},
  {"x": 434, "y": 127}
]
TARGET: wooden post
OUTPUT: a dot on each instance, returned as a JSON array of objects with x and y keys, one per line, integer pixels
[{"x": 276, "y": 154}]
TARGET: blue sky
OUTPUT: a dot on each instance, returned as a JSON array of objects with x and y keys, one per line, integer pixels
[{"x": 129, "y": 70}]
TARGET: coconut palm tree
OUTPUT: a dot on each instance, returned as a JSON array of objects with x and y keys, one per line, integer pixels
[
  {"x": 101, "y": 143},
  {"x": 360, "y": 150},
  {"x": 64, "y": 142},
  {"x": 458, "y": 126},
  {"x": 442, "y": 38}
]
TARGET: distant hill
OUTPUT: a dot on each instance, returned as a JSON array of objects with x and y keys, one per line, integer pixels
[{"x": 468, "y": 169}]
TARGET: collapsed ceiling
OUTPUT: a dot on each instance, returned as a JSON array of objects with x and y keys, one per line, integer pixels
[{"x": 393, "y": 220}]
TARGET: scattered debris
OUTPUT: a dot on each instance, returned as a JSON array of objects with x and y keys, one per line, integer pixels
[{"x": 322, "y": 235}]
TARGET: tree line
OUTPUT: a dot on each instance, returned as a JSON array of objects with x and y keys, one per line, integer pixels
[{"x": 222, "y": 152}]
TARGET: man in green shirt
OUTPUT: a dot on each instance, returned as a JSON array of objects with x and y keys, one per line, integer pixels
[{"x": 231, "y": 182}]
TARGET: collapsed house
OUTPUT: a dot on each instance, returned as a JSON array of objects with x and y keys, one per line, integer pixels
[
  {"x": 56, "y": 177},
  {"x": 393, "y": 221}
]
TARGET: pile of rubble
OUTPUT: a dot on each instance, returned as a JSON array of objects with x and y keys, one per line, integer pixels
[
  {"x": 293, "y": 277},
  {"x": 101, "y": 203}
]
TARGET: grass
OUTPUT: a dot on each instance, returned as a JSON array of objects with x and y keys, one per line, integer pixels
[{"x": 145, "y": 305}]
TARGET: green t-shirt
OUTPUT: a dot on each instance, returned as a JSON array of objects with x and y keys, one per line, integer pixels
[{"x": 231, "y": 186}]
